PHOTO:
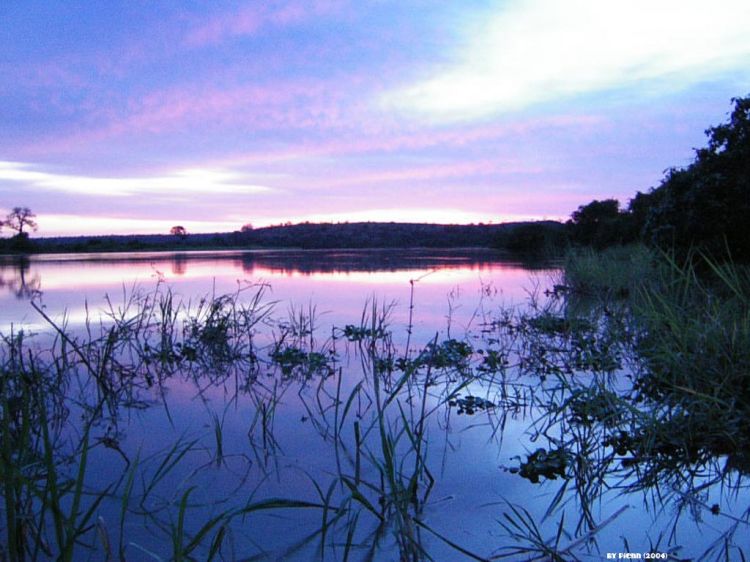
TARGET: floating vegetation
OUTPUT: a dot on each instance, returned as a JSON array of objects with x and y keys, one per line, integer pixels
[
  {"x": 470, "y": 405},
  {"x": 449, "y": 354},
  {"x": 541, "y": 462},
  {"x": 295, "y": 361},
  {"x": 548, "y": 323},
  {"x": 493, "y": 361},
  {"x": 595, "y": 405}
]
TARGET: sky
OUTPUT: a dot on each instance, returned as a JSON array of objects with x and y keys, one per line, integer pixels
[{"x": 134, "y": 116}]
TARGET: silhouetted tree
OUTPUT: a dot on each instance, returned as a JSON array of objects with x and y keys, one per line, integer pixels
[
  {"x": 595, "y": 212},
  {"x": 247, "y": 228},
  {"x": 704, "y": 206},
  {"x": 19, "y": 219},
  {"x": 178, "y": 231},
  {"x": 639, "y": 208}
]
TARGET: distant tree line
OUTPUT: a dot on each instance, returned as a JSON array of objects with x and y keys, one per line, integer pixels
[
  {"x": 540, "y": 239},
  {"x": 704, "y": 206},
  {"x": 308, "y": 236},
  {"x": 372, "y": 235}
]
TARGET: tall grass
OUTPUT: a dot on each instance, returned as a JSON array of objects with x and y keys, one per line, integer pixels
[
  {"x": 681, "y": 333},
  {"x": 617, "y": 272},
  {"x": 56, "y": 394},
  {"x": 695, "y": 343}
]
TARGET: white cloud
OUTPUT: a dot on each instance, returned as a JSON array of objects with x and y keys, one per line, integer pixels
[
  {"x": 77, "y": 225},
  {"x": 188, "y": 181},
  {"x": 539, "y": 50}
]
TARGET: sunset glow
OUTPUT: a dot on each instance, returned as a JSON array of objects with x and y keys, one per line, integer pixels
[{"x": 131, "y": 118}]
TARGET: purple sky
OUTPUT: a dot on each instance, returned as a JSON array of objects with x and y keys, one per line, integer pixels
[{"x": 135, "y": 116}]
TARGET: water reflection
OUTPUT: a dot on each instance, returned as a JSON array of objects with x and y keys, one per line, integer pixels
[
  {"x": 17, "y": 279},
  {"x": 179, "y": 264},
  {"x": 338, "y": 282},
  {"x": 23, "y": 275},
  {"x": 151, "y": 376}
]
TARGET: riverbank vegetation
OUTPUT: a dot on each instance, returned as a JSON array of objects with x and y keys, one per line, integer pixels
[{"x": 692, "y": 320}]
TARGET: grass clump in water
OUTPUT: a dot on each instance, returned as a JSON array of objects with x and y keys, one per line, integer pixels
[{"x": 695, "y": 345}]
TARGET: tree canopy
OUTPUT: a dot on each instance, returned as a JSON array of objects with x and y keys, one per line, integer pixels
[
  {"x": 178, "y": 230},
  {"x": 599, "y": 224}
]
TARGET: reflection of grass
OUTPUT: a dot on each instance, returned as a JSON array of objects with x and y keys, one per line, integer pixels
[{"x": 684, "y": 342}]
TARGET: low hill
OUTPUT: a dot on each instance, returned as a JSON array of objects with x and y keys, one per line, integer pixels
[{"x": 305, "y": 236}]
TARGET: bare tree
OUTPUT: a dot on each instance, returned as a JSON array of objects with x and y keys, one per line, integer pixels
[{"x": 20, "y": 218}]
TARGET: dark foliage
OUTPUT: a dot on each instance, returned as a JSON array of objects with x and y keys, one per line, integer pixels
[
  {"x": 18, "y": 244},
  {"x": 371, "y": 235},
  {"x": 707, "y": 204},
  {"x": 601, "y": 224},
  {"x": 704, "y": 206},
  {"x": 537, "y": 238}
]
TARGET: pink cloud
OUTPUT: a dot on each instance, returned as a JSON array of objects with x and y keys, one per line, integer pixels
[
  {"x": 387, "y": 137},
  {"x": 293, "y": 104},
  {"x": 250, "y": 19},
  {"x": 40, "y": 75},
  {"x": 433, "y": 172}
]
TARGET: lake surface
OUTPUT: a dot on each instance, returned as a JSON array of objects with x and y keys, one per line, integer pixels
[
  {"x": 337, "y": 283},
  {"x": 317, "y": 430}
]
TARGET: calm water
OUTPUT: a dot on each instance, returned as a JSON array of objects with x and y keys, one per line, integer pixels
[
  {"x": 288, "y": 436},
  {"x": 337, "y": 283}
]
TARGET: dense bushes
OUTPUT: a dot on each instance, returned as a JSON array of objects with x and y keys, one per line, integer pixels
[
  {"x": 601, "y": 224},
  {"x": 538, "y": 238}
]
